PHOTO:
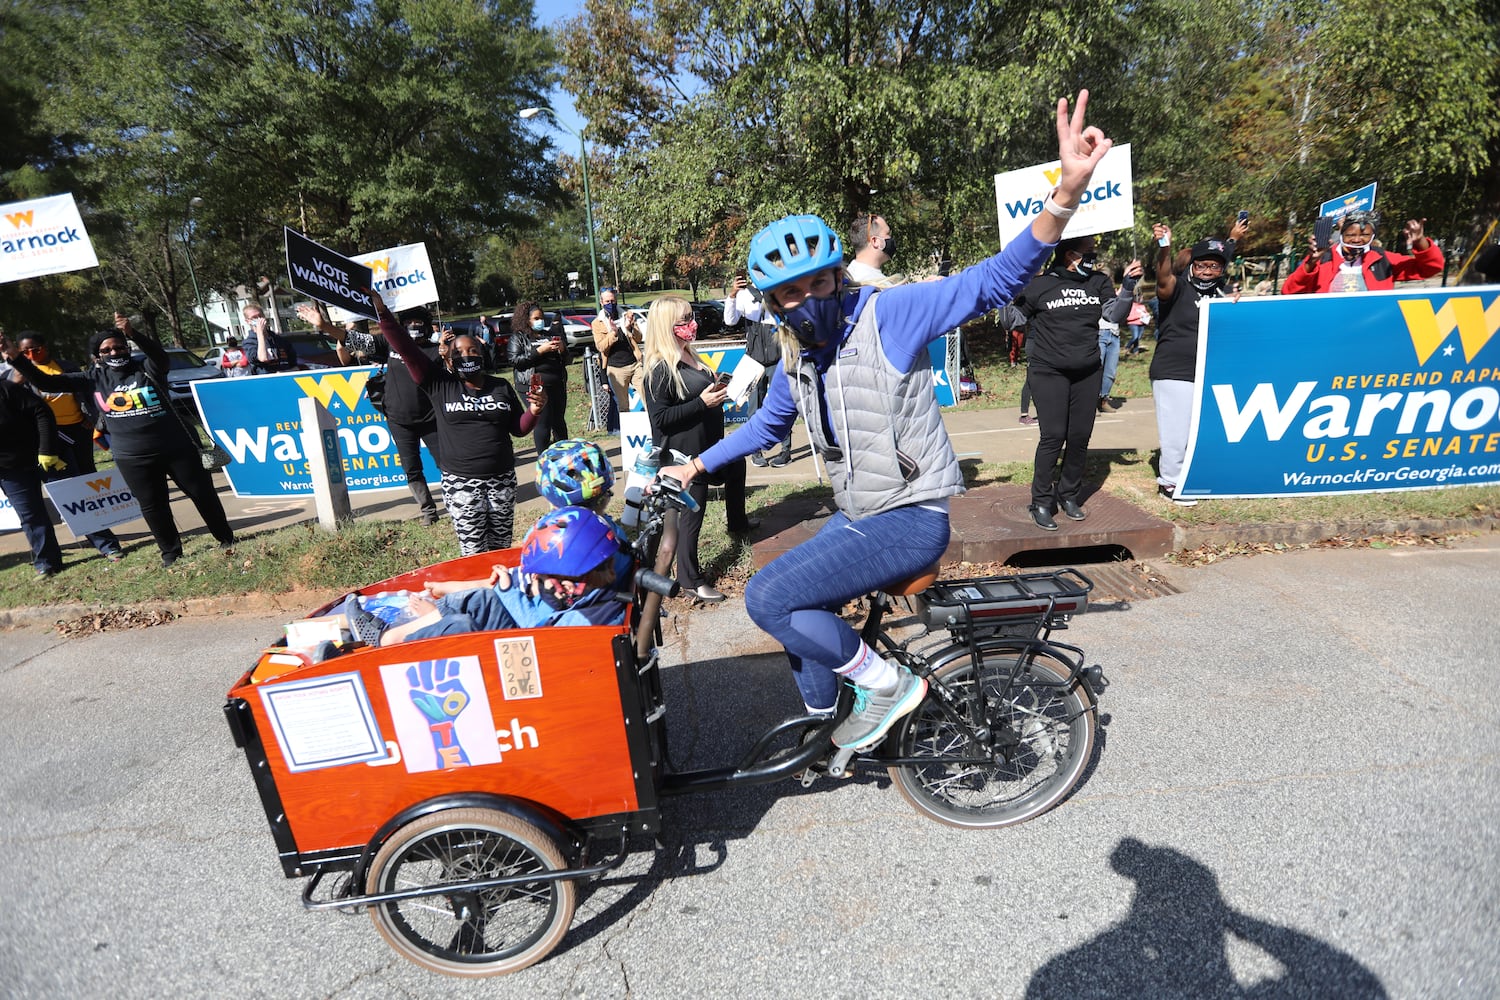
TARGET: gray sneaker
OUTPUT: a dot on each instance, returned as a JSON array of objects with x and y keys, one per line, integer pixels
[{"x": 874, "y": 714}]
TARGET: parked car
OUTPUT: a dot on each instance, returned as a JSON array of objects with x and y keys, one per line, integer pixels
[
  {"x": 710, "y": 317},
  {"x": 185, "y": 369},
  {"x": 498, "y": 338},
  {"x": 314, "y": 350}
]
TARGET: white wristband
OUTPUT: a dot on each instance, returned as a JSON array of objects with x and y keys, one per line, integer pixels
[{"x": 1055, "y": 209}]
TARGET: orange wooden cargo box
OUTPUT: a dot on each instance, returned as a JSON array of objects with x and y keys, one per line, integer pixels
[{"x": 343, "y": 750}]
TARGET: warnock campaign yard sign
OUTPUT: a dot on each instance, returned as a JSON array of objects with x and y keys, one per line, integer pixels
[
  {"x": 1361, "y": 200},
  {"x": 402, "y": 275},
  {"x": 94, "y": 501},
  {"x": 256, "y": 420},
  {"x": 1107, "y": 205},
  {"x": 1310, "y": 394},
  {"x": 43, "y": 236},
  {"x": 327, "y": 276}
]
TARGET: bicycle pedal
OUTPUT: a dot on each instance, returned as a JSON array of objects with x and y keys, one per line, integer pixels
[{"x": 838, "y": 767}]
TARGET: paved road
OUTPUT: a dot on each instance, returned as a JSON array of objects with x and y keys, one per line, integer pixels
[{"x": 1295, "y": 797}]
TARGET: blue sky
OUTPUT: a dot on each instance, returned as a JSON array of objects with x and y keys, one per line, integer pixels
[{"x": 548, "y": 13}]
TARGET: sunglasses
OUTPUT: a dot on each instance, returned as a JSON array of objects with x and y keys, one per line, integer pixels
[
  {"x": 29, "y": 351},
  {"x": 113, "y": 350}
]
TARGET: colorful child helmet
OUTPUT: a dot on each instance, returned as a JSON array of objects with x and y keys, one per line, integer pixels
[
  {"x": 573, "y": 472},
  {"x": 569, "y": 541},
  {"x": 792, "y": 248}
]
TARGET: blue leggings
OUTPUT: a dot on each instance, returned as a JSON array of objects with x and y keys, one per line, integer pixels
[{"x": 796, "y": 599}]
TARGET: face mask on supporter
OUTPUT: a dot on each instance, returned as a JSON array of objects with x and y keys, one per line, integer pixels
[
  {"x": 1087, "y": 263},
  {"x": 1353, "y": 253},
  {"x": 612, "y": 310},
  {"x": 890, "y": 246},
  {"x": 816, "y": 321},
  {"x": 539, "y": 324},
  {"x": 468, "y": 366},
  {"x": 117, "y": 361},
  {"x": 686, "y": 332}
]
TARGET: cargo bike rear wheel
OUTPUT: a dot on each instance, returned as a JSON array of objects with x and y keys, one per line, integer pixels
[
  {"x": 483, "y": 932},
  {"x": 1008, "y": 741}
]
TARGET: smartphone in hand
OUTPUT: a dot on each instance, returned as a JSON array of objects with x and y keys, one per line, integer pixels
[
  {"x": 722, "y": 379},
  {"x": 1323, "y": 232},
  {"x": 1244, "y": 216},
  {"x": 536, "y": 382}
]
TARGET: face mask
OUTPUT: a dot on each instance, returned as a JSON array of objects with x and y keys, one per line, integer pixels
[
  {"x": 1205, "y": 284},
  {"x": 816, "y": 321},
  {"x": 890, "y": 246},
  {"x": 611, "y": 310},
  {"x": 539, "y": 324},
  {"x": 468, "y": 366},
  {"x": 117, "y": 361},
  {"x": 1087, "y": 262},
  {"x": 686, "y": 332},
  {"x": 1354, "y": 253}
]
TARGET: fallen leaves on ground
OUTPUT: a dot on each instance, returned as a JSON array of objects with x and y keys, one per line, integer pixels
[
  {"x": 1205, "y": 555},
  {"x": 114, "y": 620}
]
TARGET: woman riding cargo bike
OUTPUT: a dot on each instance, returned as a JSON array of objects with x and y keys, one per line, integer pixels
[{"x": 854, "y": 367}]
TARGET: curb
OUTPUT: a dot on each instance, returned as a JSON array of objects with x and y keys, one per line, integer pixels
[
  {"x": 295, "y": 603},
  {"x": 1307, "y": 532}
]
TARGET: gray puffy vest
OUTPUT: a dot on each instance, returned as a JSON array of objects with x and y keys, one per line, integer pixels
[{"x": 892, "y": 448}]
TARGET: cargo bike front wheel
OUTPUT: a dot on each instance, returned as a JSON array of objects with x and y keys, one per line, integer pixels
[{"x": 483, "y": 932}]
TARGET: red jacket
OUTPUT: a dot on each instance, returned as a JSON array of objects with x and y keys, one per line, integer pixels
[{"x": 1382, "y": 269}]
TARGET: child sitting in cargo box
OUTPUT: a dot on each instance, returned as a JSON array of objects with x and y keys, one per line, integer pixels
[{"x": 566, "y": 578}]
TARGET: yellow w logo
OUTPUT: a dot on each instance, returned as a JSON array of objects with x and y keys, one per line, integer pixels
[
  {"x": 1052, "y": 176},
  {"x": 98, "y": 485},
  {"x": 346, "y": 387},
  {"x": 381, "y": 265},
  {"x": 19, "y": 219},
  {"x": 1475, "y": 324}
]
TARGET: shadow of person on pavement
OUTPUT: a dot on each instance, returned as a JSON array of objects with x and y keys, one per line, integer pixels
[{"x": 1182, "y": 939}]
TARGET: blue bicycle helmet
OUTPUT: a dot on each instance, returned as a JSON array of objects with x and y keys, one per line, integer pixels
[
  {"x": 792, "y": 248},
  {"x": 573, "y": 472},
  {"x": 570, "y": 542}
]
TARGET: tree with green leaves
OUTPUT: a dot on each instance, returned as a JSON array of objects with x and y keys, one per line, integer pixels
[{"x": 363, "y": 124}]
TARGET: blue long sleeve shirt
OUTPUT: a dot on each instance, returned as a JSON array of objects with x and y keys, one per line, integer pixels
[{"x": 908, "y": 318}]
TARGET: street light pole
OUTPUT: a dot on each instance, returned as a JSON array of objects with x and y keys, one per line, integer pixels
[
  {"x": 588, "y": 201},
  {"x": 187, "y": 251}
]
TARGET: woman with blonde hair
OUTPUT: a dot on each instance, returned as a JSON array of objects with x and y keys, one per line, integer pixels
[{"x": 685, "y": 403}]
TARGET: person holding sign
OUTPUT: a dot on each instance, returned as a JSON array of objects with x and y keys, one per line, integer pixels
[
  {"x": 76, "y": 417},
  {"x": 1174, "y": 366},
  {"x": 1357, "y": 265},
  {"x": 149, "y": 440},
  {"x": 855, "y": 368},
  {"x": 477, "y": 415}
]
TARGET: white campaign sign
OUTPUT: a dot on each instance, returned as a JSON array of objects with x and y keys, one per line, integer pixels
[
  {"x": 43, "y": 236},
  {"x": 93, "y": 502},
  {"x": 403, "y": 277},
  {"x": 1107, "y": 205},
  {"x": 9, "y": 519}
]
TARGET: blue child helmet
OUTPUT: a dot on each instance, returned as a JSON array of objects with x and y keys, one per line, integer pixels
[
  {"x": 573, "y": 472},
  {"x": 792, "y": 248},
  {"x": 569, "y": 541}
]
